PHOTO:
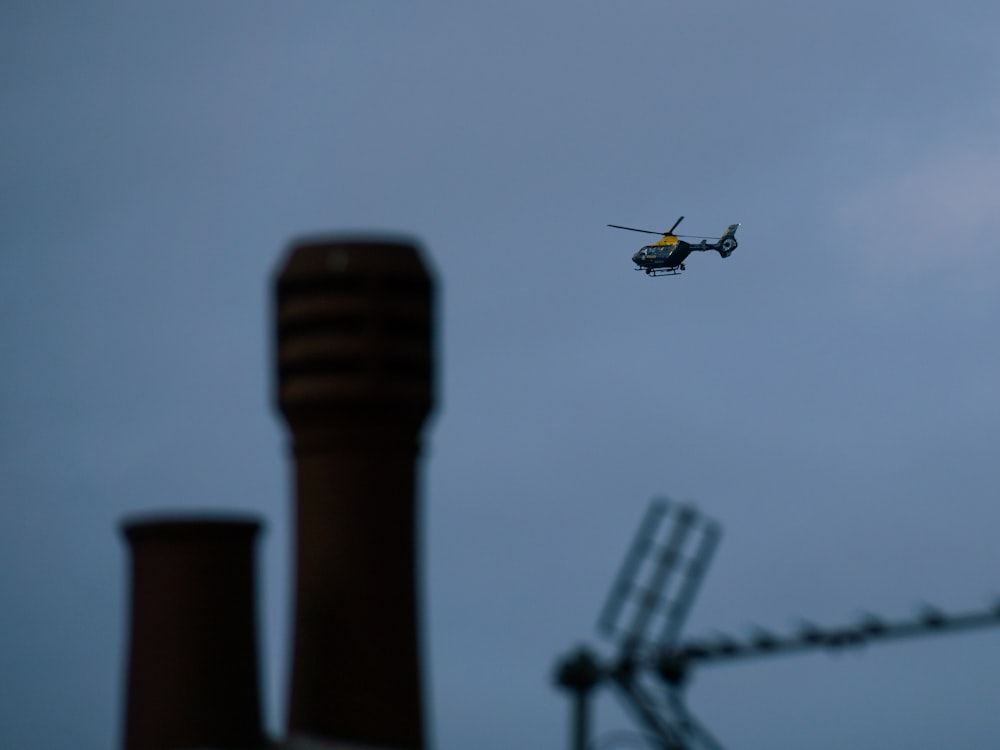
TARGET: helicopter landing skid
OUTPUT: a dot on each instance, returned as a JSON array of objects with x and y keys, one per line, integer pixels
[{"x": 661, "y": 271}]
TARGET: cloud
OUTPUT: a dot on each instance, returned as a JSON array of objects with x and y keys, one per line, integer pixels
[{"x": 940, "y": 215}]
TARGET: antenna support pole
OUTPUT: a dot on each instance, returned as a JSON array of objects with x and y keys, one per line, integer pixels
[{"x": 580, "y": 673}]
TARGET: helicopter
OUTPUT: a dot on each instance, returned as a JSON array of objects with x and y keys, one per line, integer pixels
[{"x": 666, "y": 257}]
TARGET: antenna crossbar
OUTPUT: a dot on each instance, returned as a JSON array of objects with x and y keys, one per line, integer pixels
[
  {"x": 624, "y": 583},
  {"x": 814, "y": 638},
  {"x": 693, "y": 575},
  {"x": 659, "y": 577}
]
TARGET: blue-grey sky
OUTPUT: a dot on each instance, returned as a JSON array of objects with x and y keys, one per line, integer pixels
[{"x": 828, "y": 393}]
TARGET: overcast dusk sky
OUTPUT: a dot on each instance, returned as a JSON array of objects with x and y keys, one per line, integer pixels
[{"x": 828, "y": 393}]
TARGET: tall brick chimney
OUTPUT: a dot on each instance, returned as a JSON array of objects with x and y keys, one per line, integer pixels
[{"x": 354, "y": 381}]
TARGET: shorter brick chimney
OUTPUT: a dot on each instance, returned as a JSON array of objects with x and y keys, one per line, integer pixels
[{"x": 192, "y": 674}]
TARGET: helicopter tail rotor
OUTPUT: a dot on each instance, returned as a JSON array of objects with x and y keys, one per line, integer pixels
[{"x": 727, "y": 242}]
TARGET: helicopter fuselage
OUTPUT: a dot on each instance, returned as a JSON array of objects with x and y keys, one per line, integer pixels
[{"x": 666, "y": 256}]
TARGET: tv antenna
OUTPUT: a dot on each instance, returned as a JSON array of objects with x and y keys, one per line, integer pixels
[{"x": 644, "y": 615}]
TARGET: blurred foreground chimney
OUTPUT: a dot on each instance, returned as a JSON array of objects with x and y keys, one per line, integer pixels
[
  {"x": 354, "y": 382},
  {"x": 192, "y": 665}
]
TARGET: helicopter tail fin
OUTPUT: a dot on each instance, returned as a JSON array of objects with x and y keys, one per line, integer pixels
[{"x": 727, "y": 242}]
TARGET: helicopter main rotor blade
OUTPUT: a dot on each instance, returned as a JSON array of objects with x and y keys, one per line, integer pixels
[
  {"x": 669, "y": 233},
  {"x": 633, "y": 229}
]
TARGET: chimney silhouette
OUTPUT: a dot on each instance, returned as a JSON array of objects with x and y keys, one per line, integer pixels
[
  {"x": 354, "y": 383},
  {"x": 192, "y": 675}
]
